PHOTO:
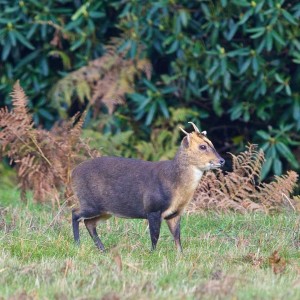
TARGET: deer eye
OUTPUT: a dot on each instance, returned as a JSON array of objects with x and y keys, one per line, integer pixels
[{"x": 202, "y": 147}]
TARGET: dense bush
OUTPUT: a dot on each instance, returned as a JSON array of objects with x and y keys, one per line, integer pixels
[
  {"x": 230, "y": 66},
  {"x": 40, "y": 43}
]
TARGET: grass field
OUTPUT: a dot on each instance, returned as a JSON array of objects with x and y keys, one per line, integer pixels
[{"x": 225, "y": 257}]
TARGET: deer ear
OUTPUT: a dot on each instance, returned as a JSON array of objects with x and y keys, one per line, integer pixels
[{"x": 186, "y": 141}]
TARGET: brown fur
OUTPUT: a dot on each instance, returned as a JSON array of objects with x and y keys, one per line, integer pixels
[{"x": 193, "y": 164}]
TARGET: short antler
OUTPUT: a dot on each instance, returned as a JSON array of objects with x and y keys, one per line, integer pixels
[
  {"x": 187, "y": 135},
  {"x": 195, "y": 127},
  {"x": 183, "y": 131}
]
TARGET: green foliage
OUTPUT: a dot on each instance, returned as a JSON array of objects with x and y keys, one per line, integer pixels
[
  {"x": 116, "y": 144},
  {"x": 235, "y": 62},
  {"x": 276, "y": 145},
  {"x": 8, "y": 176},
  {"x": 237, "y": 59},
  {"x": 153, "y": 102},
  {"x": 163, "y": 142},
  {"x": 40, "y": 42}
]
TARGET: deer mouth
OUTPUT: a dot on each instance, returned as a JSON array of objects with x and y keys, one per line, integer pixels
[{"x": 215, "y": 166}]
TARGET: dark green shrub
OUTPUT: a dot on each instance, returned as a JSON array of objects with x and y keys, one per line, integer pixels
[
  {"x": 234, "y": 63},
  {"x": 40, "y": 42}
]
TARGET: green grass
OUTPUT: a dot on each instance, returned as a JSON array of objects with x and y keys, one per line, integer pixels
[{"x": 225, "y": 257}]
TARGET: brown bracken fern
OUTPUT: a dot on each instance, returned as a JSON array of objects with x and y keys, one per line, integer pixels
[
  {"x": 104, "y": 81},
  {"x": 43, "y": 159},
  {"x": 241, "y": 190}
]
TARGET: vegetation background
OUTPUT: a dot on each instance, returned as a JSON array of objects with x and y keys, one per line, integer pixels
[{"x": 140, "y": 69}]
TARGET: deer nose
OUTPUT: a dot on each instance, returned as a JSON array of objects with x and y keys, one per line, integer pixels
[{"x": 222, "y": 161}]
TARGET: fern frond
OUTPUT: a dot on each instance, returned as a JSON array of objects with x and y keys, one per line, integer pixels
[
  {"x": 274, "y": 193},
  {"x": 240, "y": 190},
  {"x": 144, "y": 66},
  {"x": 104, "y": 81},
  {"x": 43, "y": 159},
  {"x": 75, "y": 131},
  {"x": 19, "y": 101}
]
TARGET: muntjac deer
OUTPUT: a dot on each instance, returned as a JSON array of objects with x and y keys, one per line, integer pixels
[{"x": 132, "y": 188}]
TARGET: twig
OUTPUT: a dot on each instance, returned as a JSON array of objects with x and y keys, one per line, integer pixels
[
  {"x": 56, "y": 216},
  {"x": 68, "y": 266},
  {"x": 135, "y": 268},
  {"x": 40, "y": 150},
  {"x": 31, "y": 148},
  {"x": 289, "y": 201}
]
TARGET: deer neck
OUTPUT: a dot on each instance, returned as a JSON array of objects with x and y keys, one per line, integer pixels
[
  {"x": 187, "y": 175},
  {"x": 186, "y": 178}
]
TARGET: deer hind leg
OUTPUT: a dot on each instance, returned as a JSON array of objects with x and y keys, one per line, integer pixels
[
  {"x": 90, "y": 225},
  {"x": 154, "y": 220},
  {"x": 174, "y": 226},
  {"x": 75, "y": 225}
]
